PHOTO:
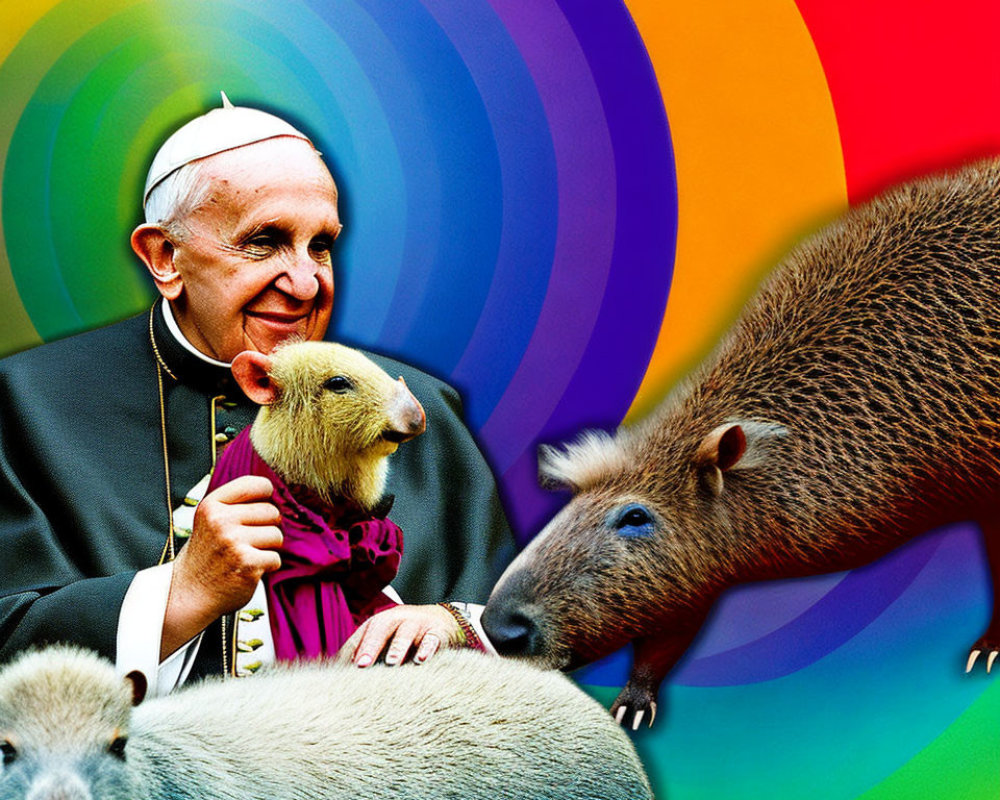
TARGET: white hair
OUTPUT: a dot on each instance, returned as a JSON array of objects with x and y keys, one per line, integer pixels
[
  {"x": 175, "y": 197},
  {"x": 594, "y": 456}
]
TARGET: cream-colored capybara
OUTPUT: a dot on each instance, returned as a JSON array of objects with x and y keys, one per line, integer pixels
[
  {"x": 854, "y": 405},
  {"x": 464, "y": 726},
  {"x": 329, "y": 417}
]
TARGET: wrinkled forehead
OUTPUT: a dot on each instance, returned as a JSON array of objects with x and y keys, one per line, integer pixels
[
  {"x": 278, "y": 182},
  {"x": 275, "y": 163}
]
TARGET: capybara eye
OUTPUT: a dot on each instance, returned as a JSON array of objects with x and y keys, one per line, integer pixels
[
  {"x": 338, "y": 384},
  {"x": 9, "y": 752},
  {"x": 117, "y": 747},
  {"x": 634, "y": 520}
]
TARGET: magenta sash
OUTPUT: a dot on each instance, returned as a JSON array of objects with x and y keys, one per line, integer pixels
[{"x": 335, "y": 561}]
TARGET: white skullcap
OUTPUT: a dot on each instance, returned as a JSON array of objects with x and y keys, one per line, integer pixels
[{"x": 219, "y": 130}]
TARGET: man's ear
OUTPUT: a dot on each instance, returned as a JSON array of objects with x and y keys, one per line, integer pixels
[
  {"x": 252, "y": 372},
  {"x": 156, "y": 251}
]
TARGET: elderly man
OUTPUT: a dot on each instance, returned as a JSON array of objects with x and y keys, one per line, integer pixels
[{"x": 107, "y": 439}]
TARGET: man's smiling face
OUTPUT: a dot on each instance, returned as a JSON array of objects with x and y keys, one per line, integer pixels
[{"x": 254, "y": 266}]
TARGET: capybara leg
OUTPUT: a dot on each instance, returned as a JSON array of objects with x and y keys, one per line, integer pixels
[
  {"x": 635, "y": 701},
  {"x": 651, "y": 661},
  {"x": 988, "y": 645}
]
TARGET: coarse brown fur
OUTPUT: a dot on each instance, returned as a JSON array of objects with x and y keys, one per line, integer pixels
[
  {"x": 854, "y": 405},
  {"x": 464, "y": 725},
  {"x": 334, "y": 441}
]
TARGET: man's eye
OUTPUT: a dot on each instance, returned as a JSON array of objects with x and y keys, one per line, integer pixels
[
  {"x": 262, "y": 242},
  {"x": 321, "y": 245}
]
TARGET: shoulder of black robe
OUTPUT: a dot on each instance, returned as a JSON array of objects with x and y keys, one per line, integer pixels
[
  {"x": 82, "y": 493},
  {"x": 74, "y": 419}
]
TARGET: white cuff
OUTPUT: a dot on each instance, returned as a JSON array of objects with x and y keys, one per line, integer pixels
[
  {"x": 392, "y": 594},
  {"x": 140, "y": 629}
]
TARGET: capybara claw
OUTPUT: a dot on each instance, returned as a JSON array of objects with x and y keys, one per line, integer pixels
[
  {"x": 638, "y": 717},
  {"x": 988, "y": 646},
  {"x": 621, "y": 717},
  {"x": 633, "y": 706},
  {"x": 972, "y": 661}
]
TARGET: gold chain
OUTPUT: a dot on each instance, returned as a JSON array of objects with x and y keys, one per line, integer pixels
[
  {"x": 168, "y": 546},
  {"x": 156, "y": 351},
  {"x": 225, "y": 619}
]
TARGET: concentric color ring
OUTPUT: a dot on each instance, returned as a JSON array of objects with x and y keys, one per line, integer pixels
[{"x": 523, "y": 183}]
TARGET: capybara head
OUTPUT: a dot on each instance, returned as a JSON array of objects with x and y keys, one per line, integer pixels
[
  {"x": 330, "y": 417},
  {"x": 638, "y": 548},
  {"x": 64, "y": 725}
]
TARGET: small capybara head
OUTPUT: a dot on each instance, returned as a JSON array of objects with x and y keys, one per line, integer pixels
[
  {"x": 330, "y": 417},
  {"x": 64, "y": 725}
]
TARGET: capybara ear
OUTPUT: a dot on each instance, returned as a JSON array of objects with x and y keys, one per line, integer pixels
[
  {"x": 139, "y": 685},
  {"x": 744, "y": 444},
  {"x": 252, "y": 372},
  {"x": 720, "y": 450},
  {"x": 723, "y": 447}
]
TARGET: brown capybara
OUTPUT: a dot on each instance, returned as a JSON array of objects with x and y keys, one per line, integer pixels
[{"x": 854, "y": 405}]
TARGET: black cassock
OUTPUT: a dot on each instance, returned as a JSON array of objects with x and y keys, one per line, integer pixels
[{"x": 82, "y": 482}]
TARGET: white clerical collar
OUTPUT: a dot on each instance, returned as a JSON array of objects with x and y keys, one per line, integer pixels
[{"x": 168, "y": 315}]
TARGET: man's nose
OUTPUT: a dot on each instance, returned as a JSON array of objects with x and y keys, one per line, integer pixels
[{"x": 299, "y": 278}]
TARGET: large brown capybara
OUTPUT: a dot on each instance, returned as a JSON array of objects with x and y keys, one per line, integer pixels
[{"x": 854, "y": 405}]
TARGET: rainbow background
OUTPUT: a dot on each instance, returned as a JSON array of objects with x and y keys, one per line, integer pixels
[{"x": 558, "y": 206}]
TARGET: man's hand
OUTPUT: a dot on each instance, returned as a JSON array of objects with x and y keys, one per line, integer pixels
[
  {"x": 231, "y": 547},
  {"x": 403, "y": 628}
]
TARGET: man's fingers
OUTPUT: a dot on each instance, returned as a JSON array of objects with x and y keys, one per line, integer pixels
[
  {"x": 378, "y": 630},
  {"x": 398, "y": 632},
  {"x": 349, "y": 648},
  {"x": 243, "y": 489},
  {"x": 402, "y": 641},
  {"x": 429, "y": 645},
  {"x": 269, "y": 560},
  {"x": 264, "y": 537},
  {"x": 259, "y": 514}
]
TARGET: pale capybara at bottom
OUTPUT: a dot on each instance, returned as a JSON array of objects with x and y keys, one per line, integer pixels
[{"x": 462, "y": 726}]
